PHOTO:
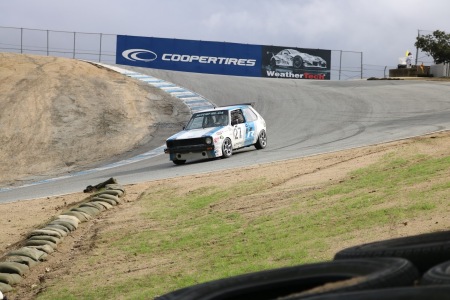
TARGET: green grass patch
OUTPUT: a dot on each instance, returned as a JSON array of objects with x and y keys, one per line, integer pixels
[{"x": 198, "y": 243}]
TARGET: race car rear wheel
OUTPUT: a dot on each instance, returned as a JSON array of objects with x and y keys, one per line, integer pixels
[
  {"x": 179, "y": 161},
  {"x": 227, "y": 148},
  {"x": 261, "y": 143},
  {"x": 297, "y": 63}
]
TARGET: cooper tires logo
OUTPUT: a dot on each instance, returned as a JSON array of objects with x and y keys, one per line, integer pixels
[{"x": 139, "y": 55}]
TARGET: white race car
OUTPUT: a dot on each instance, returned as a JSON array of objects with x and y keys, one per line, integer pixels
[
  {"x": 291, "y": 58},
  {"x": 217, "y": 133}
]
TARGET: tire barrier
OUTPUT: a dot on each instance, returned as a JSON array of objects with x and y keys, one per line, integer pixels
[
  {"x": 424, "y": 250},
  {"x": 403, "y": 293},
  {"x": 305, "y": 280},
  {"x": 101, "y": 185},
  {"x": 414, "y": 267},
  {"x": 42, "y": 242},
  {"x": 5, "y": 288},
  {"x": 439, "y": 274}
]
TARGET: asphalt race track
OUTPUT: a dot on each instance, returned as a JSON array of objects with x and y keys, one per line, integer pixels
[{"x": 304, "y": 117}]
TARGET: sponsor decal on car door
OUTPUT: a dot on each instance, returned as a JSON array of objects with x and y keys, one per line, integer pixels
[{"x": 250, "y": 133}]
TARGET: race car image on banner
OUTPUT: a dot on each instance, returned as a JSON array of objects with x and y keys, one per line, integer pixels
[{"x": 295, "y": 63}]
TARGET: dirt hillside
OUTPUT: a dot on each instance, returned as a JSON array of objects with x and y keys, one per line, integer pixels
[{"x": 59, "y": 115}]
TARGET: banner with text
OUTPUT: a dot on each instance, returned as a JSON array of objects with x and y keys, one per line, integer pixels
[{"x": 223, "y": 58}]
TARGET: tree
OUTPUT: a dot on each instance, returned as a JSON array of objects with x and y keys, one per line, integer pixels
[{"x": 436, "y": 45}]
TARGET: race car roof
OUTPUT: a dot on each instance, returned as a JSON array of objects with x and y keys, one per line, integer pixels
[{"x": 229, "y": 107}]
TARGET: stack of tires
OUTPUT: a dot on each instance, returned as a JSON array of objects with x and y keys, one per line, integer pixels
[
  {"x": 416, "y": 267},
  {"x": 43, "y": 241}
]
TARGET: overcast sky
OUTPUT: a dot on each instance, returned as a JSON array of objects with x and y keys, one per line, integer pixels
[{"x": 382, "y": 29}]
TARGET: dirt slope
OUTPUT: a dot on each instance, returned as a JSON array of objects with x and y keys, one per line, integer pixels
[{"x": 59, "y": 115}]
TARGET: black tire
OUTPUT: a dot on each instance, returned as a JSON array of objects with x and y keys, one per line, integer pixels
[
  {"x": 21, "y": 260},
  {"x": 297, "y": 63},
  {"x": 4, "y": 287},
  {"x": 424, "y": 250},
  {"x": 105, "y": 204},
  {"x": 93, "y": 204},
  {"x": 439, "y": 274},
  {"x": 110, "y": 201},
  {"x": 115, "y": 186},
  {"x": 45, "y": 238},
  {"x": 402, "y": 293},
  {"x": 108, "y": 196},
  {"x": 346, "y": 275},
  {"x": 273, "y": 65},
  {"x": 261, "y": 143},
  {"x": 32, "y": 253},
  {"x": 45, "y": 232},
  {"x": 227, "y": 148},
  {"x": 92, "y": 211},
  {"x": 13, "y": 268},
  {"x": 52, "y": 226},
  {"x": 179, "y": 162},
  {"x": 80, "y": 216},
  {"x": 62, "y": 232},
  {"x": 34, "y": 243},
  {"x": 10, "y": 278},
  {"x": 46, "y": 248},
  {"x": 69, "y": 224},
  {"x": 117, "y": 193}
]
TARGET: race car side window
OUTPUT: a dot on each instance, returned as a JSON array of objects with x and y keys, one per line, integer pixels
[
  {"x": 249, "y": 115},
  {"x": 237, "y": 117}
]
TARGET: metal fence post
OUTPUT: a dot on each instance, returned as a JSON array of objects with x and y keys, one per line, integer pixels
[
  {"x": 21, "y": 40},
  {"x": 100, "y": 54},
  {"x": 47, "y": 43},
  {"x": 74, "y": 42},
  {"x": 361, "y": 65}
]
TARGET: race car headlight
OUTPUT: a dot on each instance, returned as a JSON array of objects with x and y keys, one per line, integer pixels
[{"x": 208, "y": 140}]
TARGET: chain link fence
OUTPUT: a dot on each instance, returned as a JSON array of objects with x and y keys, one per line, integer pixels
[
  {"x": 100, "y": 47},
  {"x": 77, "y": 45}
]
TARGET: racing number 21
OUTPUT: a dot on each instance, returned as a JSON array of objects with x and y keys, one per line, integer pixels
[{"x": 237, "y": 133}]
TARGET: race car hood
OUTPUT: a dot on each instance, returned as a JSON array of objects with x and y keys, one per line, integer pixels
[{"x": 195, "y": 133}]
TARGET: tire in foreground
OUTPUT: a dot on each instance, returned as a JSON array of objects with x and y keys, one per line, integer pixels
[
  {"x": 305, "y": 280},
  {"x": 424, "y": 250}
]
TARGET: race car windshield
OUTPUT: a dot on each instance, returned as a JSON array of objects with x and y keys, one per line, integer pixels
[{"x": 208, "y": 119}]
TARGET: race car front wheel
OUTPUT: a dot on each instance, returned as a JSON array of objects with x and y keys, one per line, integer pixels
[
  {"x": 179, "y": 161},
  {"x": 227, "y": 148}
]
